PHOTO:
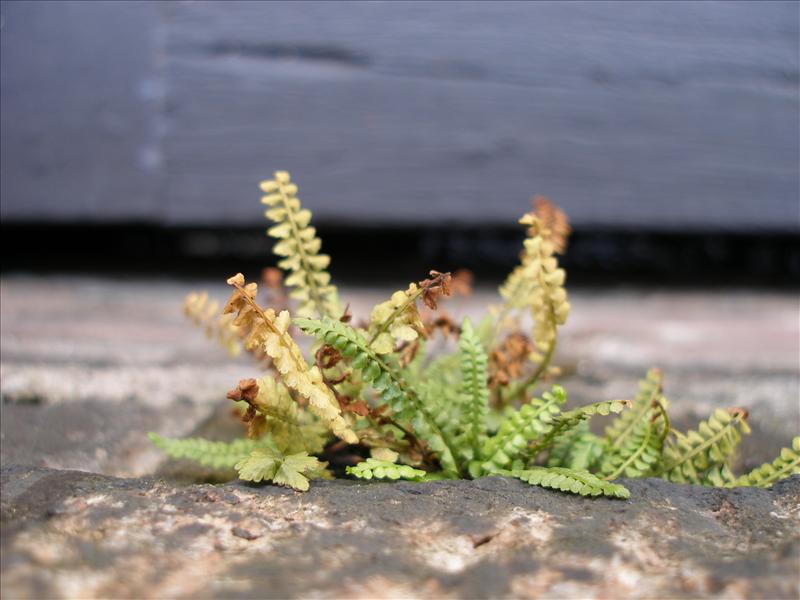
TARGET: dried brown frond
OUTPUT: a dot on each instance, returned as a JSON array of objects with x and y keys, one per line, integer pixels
[
  {"x": 328, "y": 357},
  {"x": 507, "y": 361},
  {"x": 347, "y": 316},
  {"x": 246, "y": 390},
  {"x": 276, "y": 294},
  {"x": 358, "y": 407},
  {"x": 272, "y": 278},
  {"x": 406, "y": 352},
  {"x": 461, "y": 283},
  {"x": 435, "y": 287},
  {"x": 270, "y": 331},
  {"x": 440, "y": 322},
  {"x": 553, "y": 224}
]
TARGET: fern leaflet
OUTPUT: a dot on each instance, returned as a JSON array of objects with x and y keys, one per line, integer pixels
[
  {"x": 269, "y": 464},
  {"x": 299, "y": 246},
  {"x": 372, "y": 468},
  {"x": 474, "y": 397},
  {"x": 697, "y": 455},
  {"x": 567, "y": 480},
  {"x": 219, "y": 455},
  {"x": 787, "y": 463}
]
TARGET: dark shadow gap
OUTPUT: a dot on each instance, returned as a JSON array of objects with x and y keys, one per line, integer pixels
[{"x": 388, "y": 255}]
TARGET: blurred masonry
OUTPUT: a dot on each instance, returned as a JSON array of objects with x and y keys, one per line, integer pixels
[{"x": 134, "y": 135}]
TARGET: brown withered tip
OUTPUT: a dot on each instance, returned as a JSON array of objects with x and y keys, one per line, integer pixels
[
  {"x": 461, "y": 283},
  {"x": 347, "y": 316},
  {"x": 435, "y": 287},
  {"x": 237, "y": 279},
  {"x": 247, "y": 390},
  {"x": 327, "y": 357},
  {"x": 738, "y": 411},
  {"x": 272, "y": 277}
]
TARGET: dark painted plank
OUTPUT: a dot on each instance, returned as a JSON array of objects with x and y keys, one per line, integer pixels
[
  {"x": 660, "y": 115},
  {"x": 657, "y": 115},
  {"x": 80, "y": 135}
]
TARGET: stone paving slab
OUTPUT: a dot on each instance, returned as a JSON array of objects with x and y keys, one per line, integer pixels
[
  {"x": 89, "y": 365},
  {"x": 68, "y": 534}
]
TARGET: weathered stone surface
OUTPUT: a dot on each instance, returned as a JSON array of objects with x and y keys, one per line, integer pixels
[
  {"x": 74, "y": 534},
  {"x": 88, "y": 366}
]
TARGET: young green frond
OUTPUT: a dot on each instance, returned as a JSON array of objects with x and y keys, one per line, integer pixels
[
  {"x": 635, "y": 440},
  {"x": 373, "y": 468},
  {"x": 567, "y": 480},
  {"x": 474, "y": 396},
  {"x": 787, "y": 463},
  {"x": 578, "y": 449},
  {"x": 697, "y": 455},
  {"x": 219, "y": 455},
  {"x": 269, "y": 464},
  {"x": 624, "y": 426},
  {"x": 271, "y": 333},
  {"x": 299, "y": 246},
  {"x": 385, "y": 379},
  {"x": 531, "y": 421},
  {"x": 205, "y": 313},
  {"x": 572, "y": 418}
]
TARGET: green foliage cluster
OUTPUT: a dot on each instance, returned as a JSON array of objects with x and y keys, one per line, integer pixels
[{"x": 480, "y": 409}]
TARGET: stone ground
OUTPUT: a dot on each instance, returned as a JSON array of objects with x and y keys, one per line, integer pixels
[{"x": 90, "y": 365}]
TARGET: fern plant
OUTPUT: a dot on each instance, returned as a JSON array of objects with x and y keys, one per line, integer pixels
[{"x": 485, "y": 406}]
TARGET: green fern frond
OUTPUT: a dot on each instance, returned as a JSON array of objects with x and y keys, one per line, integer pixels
[
  {"x": 299, "y": 246},
  {"x": 373, "y": 468},
  {"x": 690, "y": 457},
  {"x": 787, "y": 463},
  {"x": 578, "y": 449},
  {"x": 625, "y": 425},
  {"x": 531, "y": 421},
  {"x": 635, "y": 440},
  {"x": 572, "y": 418},
  {"x": 403, "y": 400},
  {"x": 640, "y": 457},
  {"x": 269, "y": 464},
  {"x": 567, "y": 480},
  {"x": 219, "y": 455},
  {"x": 474, "y": 396}
]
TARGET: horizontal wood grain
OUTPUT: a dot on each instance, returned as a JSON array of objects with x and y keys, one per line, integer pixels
[{"x": 668, "y": 116}]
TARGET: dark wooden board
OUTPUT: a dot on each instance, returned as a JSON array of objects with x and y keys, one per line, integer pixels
[
  {"x": 79, "y": 111},
  {"x": 672, "y": 116}
]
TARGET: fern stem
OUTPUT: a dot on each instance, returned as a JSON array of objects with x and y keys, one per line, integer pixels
[
  {"x": 307, "y": 267},
  {"x": 384, "y": 327},
  {"x": 784, "y": 471},
  {"x": 665, "y": 416},
  {"x": 702, "y": 447},
  {"x": 268, "y": 322},
  {"x": 412, "y": 396},
  {"x": 635, "y": 455},
  {"x": 645, "y": 406},
  {"x": 542, "y": 368}
]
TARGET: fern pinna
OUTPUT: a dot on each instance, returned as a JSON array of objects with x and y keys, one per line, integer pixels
[{"x": 478, "y": 408}]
